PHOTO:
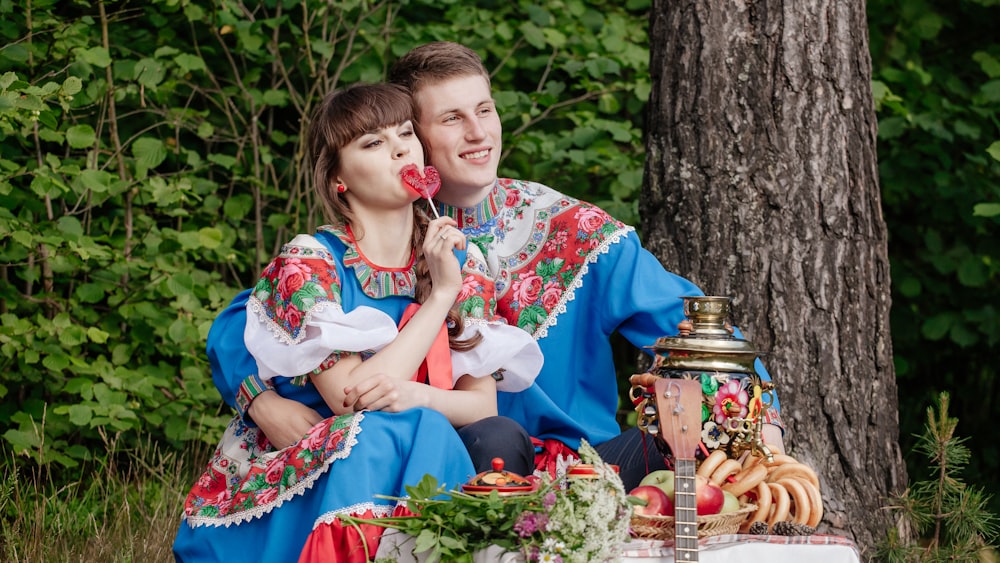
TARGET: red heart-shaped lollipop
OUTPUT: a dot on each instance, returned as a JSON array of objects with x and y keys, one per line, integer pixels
[{"x": 422, "y": 186}]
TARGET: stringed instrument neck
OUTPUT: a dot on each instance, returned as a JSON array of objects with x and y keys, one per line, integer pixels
[
  {"x": 678, "y": 404},
  {"x": 685, "y": 511}
]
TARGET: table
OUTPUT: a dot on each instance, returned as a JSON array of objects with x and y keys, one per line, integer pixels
[{"x": 817, "y": 548}]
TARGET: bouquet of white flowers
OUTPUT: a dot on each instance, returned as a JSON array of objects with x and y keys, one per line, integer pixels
[{"x": 582, "y": 521}]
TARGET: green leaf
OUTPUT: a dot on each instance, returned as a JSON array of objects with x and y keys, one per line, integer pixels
[
  {"x": 97, "y": 335},
  {"x": 97, "y": 56},
  {"x": 936, "y": 327},
  {"x": 149, "y": 154},
  {"x": 70, "y": 226},
  {"x": 961, "y": 334},
  {"x": 80, "y": 415},
  {"x": 533, "y": 35},
  {"x": 238, "y": 206},
  {"x": 188, "y": 62},
  {"x": 972, "y": 272},
  {"x": 910, "y": 287},
  {"x": 21, "y": 441},
  {"x": 210, "y": 237},
  {"x": 223, "y": 160},
  {"x": 986, "y": 209},
  {"x": 928, "y": 25},
  {"x": 56, "y": 362},
  {"x": 994, "y": 150},
  {"x": 178, "y": 330},
  {"x": 80, "y": 136},
  {"x": 149, "y": 72},
  {"x": 97, "y": 181}
]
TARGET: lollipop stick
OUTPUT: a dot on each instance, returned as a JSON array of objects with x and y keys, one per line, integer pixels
[{"x": 433, "y": 207}]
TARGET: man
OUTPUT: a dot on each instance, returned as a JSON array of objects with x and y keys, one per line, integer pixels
[{"x": 565, "y": 271}]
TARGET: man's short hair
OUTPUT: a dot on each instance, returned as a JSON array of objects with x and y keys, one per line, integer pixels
[{"x": 434, "y": 62}]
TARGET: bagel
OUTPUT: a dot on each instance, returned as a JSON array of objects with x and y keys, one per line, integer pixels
[
  {"x": 750, "y": 460},
  {"x": 763, "y": 504},
  {"x": 815, "y": 504},
  {"x": 746, "y": 480},
  {"x": 800, "y": 498},
  {"x": 780, "y": 459},
  {"x": 795, "y": 470},
  {"x": 711, "y": 463},
  {"x": 781, "y": 502},
  {"x": 725, "y": 469}
]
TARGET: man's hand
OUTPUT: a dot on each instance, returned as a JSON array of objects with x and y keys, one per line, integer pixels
[{"x": 283, "y": 421}]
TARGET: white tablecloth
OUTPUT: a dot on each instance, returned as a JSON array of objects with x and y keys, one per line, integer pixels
[
  {"x": 772, "y": 549},
  {"x": 713, "y": 549}
]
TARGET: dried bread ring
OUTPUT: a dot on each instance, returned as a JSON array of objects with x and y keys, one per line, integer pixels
[
  {"x": 815, "y": 504},
  {"x": 800, "y": 499},
  {"x": 725, "y": 469},
  {"x": 711, "y": 463},
  {"x": 780, "y": 459},
  {"x": 746, "y": 480},
  {"x": 781, "y": 502},
  {"x": 750, "y": 460},
  {"x": 763, "y": 503},
  {"x": 795, "y": 470}
]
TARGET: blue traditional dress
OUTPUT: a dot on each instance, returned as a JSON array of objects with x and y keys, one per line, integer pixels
[
  {"x": 571, "y": 275},
  {"x": 317, "y": 301}
]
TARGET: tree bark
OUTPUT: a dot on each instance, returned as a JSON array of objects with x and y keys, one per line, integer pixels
[{"x": 761, "y": 183}]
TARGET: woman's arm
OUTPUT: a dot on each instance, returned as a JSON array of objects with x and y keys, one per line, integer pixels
[
  {"x": 283, "y": 421},
  {"x": 472, "y": 399}
]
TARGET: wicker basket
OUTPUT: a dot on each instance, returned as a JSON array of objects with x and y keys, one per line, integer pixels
[{"x": 662, "y": 527}]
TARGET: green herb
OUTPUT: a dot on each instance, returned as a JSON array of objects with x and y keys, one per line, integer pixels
[{"x": 579, "y": 522}]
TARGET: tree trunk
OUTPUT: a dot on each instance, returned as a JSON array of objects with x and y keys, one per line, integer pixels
[{"x": 761, "y": 184}]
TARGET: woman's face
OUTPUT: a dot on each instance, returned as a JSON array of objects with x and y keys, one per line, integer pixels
[{"x": 370, "y": 167}]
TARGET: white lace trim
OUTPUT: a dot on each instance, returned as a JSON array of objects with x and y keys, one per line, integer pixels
[
  {"x": 255, "y": 306},
  {"x": 295, "y": 490},
  {"x": 550, "y": 321},
  {"x": 378, "y": 511}
]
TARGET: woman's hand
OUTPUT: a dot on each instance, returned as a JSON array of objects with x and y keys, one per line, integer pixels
[
  {"x": 442, "y": 238},
  {"x": 282, "y": 420},
  {"x": 381, "y": 392}
]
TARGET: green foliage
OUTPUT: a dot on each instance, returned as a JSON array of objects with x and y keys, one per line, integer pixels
[
  {"x": 145, "y": 179},
  {"x": 951, "y": 518},
  {"x": 937, "y": 89}
]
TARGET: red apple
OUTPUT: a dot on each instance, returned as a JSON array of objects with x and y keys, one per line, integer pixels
[
  {"x": 709, "y": 497},
  {"x": 657, "y": 503}
]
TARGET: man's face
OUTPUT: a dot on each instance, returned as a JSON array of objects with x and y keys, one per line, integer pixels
[{"x": 459, "y": 125}]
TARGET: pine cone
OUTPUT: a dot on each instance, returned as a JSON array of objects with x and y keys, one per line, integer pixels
[
  {"x": 792, "y": 529},
  {"x": 758, "y": 528}
]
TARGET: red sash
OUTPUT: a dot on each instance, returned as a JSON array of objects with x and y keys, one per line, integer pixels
[{"x": 436, "y": 367}]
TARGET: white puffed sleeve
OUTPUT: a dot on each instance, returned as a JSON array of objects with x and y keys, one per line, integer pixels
[
  {"x": 326, "y": 330},
  {"x": 294, "y": 314},
  {"x": 506, "y": 350}
]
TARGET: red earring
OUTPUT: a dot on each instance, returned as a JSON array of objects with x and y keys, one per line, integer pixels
[{"x": 341, "y": 188}]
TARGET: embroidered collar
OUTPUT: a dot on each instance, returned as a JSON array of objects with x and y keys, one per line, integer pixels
[
  {"x": 377, "y": 282},
  {"x": 478, "y": 215}
]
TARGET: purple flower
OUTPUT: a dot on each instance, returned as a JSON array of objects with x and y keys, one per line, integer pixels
[
  {"x": 549, "y": 501},
  {"x": 530, "y": 522}
]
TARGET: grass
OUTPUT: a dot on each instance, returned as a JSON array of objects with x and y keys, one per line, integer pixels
[{"x": 122, "y": 508}]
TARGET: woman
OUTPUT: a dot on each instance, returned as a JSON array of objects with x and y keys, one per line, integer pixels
[{"x": 334, "y": 324}]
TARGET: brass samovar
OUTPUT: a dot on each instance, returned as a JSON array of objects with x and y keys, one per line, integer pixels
[{"x": 734, "y": 396}]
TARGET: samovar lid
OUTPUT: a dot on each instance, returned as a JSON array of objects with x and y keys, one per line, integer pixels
[{"x": 710, "y": 345}]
